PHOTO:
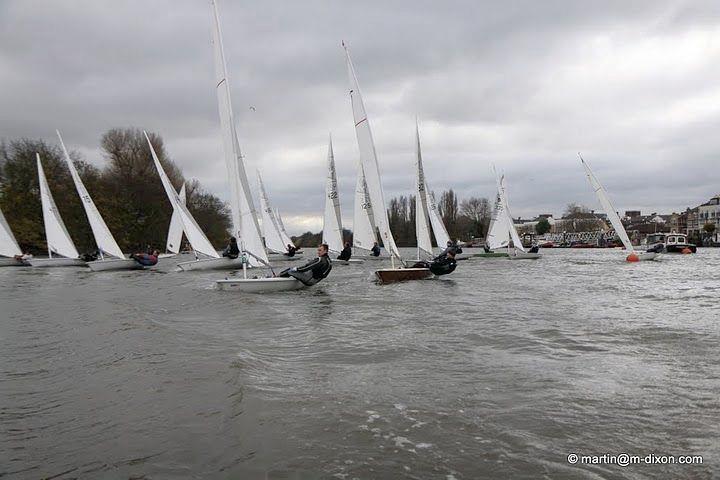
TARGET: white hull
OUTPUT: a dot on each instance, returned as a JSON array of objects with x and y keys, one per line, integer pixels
[
  {"x": 167, "y": 255},
  {"x": 222, "y": 263},
  {"x": 646, "y": 256},
  {"x": 370, "y": 257},
  {"x": 57, "y": 262},
  {"x": 12, "y": 262},
  {"x": 114, "y": 264},
  {"x": 524, "y": 256},
  {"x": 260, "y": 285},
  {"x": 352, "y": 261}
]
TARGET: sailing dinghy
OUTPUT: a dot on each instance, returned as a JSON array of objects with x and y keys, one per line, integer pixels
[
  {"x": 244, "y": 220},
  {"x": 200, "y": 244},
  {"x": 371, "y": 170},
  {"x": 332, "y": 232},
  {"x": 175, "y": 231},
  {"x": 633, "y": 256},
  {"x": 275, "y": 243},
  {"x": 498, "y": 234},
  {"x": 364, "y": 234},
  {"x": 10, "y": 253},
  {"x": 58, "y": 239},
  {"x": 518, "y": 252},
  {"x": 111, "y": 257}
]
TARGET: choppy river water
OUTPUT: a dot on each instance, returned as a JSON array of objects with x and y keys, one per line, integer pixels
[{"x": 499, "y": 370}]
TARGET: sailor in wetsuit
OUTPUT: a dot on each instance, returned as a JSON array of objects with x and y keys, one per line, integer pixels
[
  {"x": 346, "y": 252},
  {"x": 441, "y": 265},
  {"x": 290, "y": 250},
  {"x": 375, "y": 250},
  {"x": 146, "y": 259},
  {"x": 232, "y": 250},
  {"x": 313, "y": 271},
  {"x": 452, "y": 246}
]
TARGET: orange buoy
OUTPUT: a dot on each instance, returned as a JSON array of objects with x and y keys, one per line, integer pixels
[
  {"x": 633, "y": 257},
  {"x": 686, "y": 250}
]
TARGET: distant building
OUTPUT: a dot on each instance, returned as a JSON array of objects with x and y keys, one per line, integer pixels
[
  {"x": 632, "y": 213},
  {"x": 709, "y": 213}
]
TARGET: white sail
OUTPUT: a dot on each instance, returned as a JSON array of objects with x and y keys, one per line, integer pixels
[
  {"x": 273, "y": 238},
  {"x": 103, "y": 238},
  {"x": 283, "y": 233},
  {"x": 195, "y": 235},
  {"x": 608, "y": 207},
  {"x": 8, "y": 245},
  {"x": 498, "y": 235},
  {"x": 175, "y": 232},
  {"x": 368, "y": 156},
  {"x": 439, "y": 231},
  {"x": 422, "y": 224},
  {"x": 517, "y": 243},
  {"x": 363, "y": 222},
  {"x": 332, "y": 223},
  {"x": 244, "y": 218},
  {"x": 57, "y": 236}
]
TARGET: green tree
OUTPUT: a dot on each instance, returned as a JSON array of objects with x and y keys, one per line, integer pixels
[{"x": 543, "y": 226}]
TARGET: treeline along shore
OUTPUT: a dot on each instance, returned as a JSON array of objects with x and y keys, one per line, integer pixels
[
  {"x": 126, "y": 190},
  {"x": 131, "y": 199}
]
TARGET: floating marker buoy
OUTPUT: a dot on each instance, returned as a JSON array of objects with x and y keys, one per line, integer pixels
[
  {"x": 633, "y": 257},
  {"x": 686, "y": 250}
]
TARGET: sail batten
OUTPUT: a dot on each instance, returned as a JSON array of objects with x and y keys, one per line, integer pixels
[
  {"x": 196, "y": 237},
  {"x": 58, "y": 239},
  {"x": 368, "y": 157},
  {"x": 103, "y": 238},
  {"x": 608, "y": 207},
  {"x": 332, "y": 222}
]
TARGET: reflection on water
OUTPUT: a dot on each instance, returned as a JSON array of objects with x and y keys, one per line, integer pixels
[{"x": 498, "y": 371}]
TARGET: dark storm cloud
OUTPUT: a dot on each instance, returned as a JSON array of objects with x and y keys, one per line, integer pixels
[{"x": 523, "y": 84}]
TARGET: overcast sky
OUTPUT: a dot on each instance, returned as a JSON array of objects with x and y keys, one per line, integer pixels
[{"x": 634, "y": 86}]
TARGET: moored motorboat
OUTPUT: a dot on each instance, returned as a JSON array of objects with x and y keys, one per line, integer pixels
[{"x": 670, "y": 243}]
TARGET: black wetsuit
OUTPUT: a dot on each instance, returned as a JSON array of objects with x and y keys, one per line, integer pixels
[
  {"x": 310, "y": 273},
  {"x": 375, "y": 251},
  {"x": 345, "y": 254},
  {"x": 291, "y": 251},
  {"x": 231, "y": 251}
]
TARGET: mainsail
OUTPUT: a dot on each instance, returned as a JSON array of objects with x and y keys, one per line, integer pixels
[
  {"x": 283, "y": 233},
  {"x": 57, "y": 236},
  {"x": 363, "y": 220},
  {"x": 175, "y": 232},
  {"x": 271, "y": 230},
  {"x": 103, "y": 238},
  {"x": 8, "y": 245},
  {"x": 244, "y": 219},
  {"x": 422, "y": 227},
  {"x": 608, "y": 207},
  {"x": 368, "y": 156},
  {"x": 499, "y": 232},
  {"x": 517, "y": 243},
  {"x": 332, "y": 223},
  {"x": 195, "y": 235}
]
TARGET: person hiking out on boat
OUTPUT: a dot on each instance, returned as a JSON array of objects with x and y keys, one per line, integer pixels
[
  {"x": 346, "y": 252},
  {"x": 375, "y": 250},
  {"x": 441, "y": 265},
  {"x": 313, "y": 271},
  {"x": 290, "y": 250},
  {"x": 451, "y": 247},
  {"x": 146, "y": 259},
  {"x": 232, "y": 251}
]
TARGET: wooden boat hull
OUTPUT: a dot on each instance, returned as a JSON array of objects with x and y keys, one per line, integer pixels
[
  {"x": 222, "y": 263},
  {"x": 392, "y": 275},
  {"x": 352, "y": 261},
  {"x": 57, "y": 262},
  {"x": 524, "y": 256},
  {"x": 260, "y": 285},
  {"x": 13, "y": 262}
]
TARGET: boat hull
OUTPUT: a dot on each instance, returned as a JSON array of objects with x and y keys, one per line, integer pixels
[
  {"x": 392, "y": 275},
  {"x": 222, "y": 263},
  {"x": 489, "y": 255},
  {"x": 108, "y": 265},
  {"x": 57, "y": 262},
  {"x": 643, "y": 256},
  {"x": 352, "y": 261},
  {"x": 260, "y": 285},
  {"x": 524, "y": 256},
  {"x": 13, "y": 262}
]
